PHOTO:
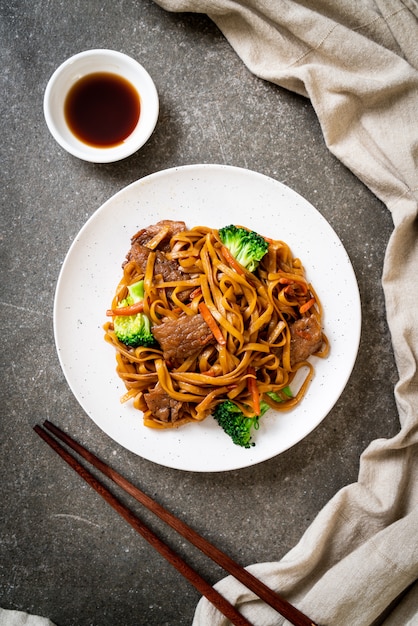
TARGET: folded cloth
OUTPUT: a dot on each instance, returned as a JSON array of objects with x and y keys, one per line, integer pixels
[
  {"x": 19, "y": 618},
  {"x": 357, "y": 61}
]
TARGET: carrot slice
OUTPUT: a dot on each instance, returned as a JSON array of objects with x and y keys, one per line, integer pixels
[
  {"x": 211, "y": 322},
  {"x": 231, "y": 260},
  {"x": 305, "y": 307},
  {"x": 253, "y": 389},
  {"x": 293, "y": 282},
  {"x": 132, "y": 309},
  {"x": 196, "y": 292},
  {"x": 209, "y": 373}
]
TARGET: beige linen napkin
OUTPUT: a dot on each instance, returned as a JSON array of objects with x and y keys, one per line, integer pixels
[
  {"x": 18, "y": 618},
  {"x": 357, "y": 61}
]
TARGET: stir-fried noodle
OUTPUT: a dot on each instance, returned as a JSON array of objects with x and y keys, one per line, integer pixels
[{"x": 263, "y": 326}]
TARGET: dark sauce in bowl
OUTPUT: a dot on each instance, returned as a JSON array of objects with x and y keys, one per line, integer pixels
[{"x": 102, "y": 109}]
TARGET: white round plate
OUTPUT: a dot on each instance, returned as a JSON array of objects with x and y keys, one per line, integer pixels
[{"x": 214, "y": 196}]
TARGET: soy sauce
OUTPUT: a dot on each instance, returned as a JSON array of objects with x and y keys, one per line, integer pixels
[{"x": 102, "y": 109}]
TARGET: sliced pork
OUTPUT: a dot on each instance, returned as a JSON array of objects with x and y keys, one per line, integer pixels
[
  {"x": 306, "y": 338},
  {"x": 183, "y": 337},
  {"x": 170, "y": 228},
  {"x": 162, "y": 406},
  {"x": 169, "y": 270}
]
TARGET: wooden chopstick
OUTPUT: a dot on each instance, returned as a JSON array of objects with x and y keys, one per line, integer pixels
[
  {"x": 188, "y": 572},
  {"x": 291, "y": 613}
]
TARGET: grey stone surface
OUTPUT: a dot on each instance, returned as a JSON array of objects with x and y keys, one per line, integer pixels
[{"x": 63, "y": 552}]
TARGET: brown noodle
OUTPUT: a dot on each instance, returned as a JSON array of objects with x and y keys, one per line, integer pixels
[{"x": 253, "y": 311}]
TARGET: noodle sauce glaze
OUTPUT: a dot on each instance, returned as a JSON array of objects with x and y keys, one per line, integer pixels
[{"x": 102, "y": 109}]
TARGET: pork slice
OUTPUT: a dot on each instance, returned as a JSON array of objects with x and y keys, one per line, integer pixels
[
  {"x": 183, "y": 337},
  {"x": 139, "y": 254},
  {"x": 305, "y": 338},
  {"x": 169, "y": 270},
  {"x": 161, "y": 405},
  {"x": 146, "y": 234}
]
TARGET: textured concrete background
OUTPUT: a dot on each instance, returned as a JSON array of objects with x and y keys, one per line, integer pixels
[{"x": 63, "y": 552}]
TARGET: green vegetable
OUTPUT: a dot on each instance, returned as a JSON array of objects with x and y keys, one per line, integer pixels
[
  {"x": 275, "y": 396},
  {"x": 134, "y": 330},
  {"x": 247, "y": 247},
  {"x": 237, "y": 425}
]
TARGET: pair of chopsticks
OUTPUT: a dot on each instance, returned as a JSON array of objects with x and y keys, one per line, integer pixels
[{"x": 291, "y": 613}]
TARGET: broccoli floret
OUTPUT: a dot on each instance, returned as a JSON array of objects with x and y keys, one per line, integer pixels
[
  {"x": 235, "y": 423},
  {"x": 136, "y": 292},
  {"x": 246, "y": 246},
  {"x": 134, "y": 330}
]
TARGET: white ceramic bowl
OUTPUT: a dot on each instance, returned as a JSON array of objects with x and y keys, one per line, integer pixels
[{"x": 90, "y": 62}]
